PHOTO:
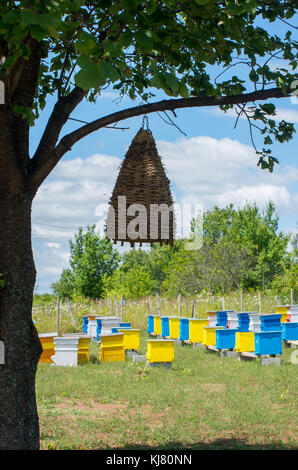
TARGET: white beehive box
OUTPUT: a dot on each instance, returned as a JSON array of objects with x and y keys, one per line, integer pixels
[
  {"x": 108, "y": 324},
  {"x": 254, "y": 323},
  {"x": 66, "y": 351}
]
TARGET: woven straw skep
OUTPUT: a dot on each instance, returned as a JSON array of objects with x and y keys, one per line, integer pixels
[{"x": 141, "y": 180}]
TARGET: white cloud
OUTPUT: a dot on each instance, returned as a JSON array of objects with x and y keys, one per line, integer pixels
[
  {"x": 53, "y": 245},
  {"x": 289, "y": 115},
  {"x": 280, "y": 196},
  {"x": 211, "y": 171}
]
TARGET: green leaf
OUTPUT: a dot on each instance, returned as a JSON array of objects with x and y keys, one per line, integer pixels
[
  {"x": 26, "y": 113},
  {"x": 37, "y": 32},
  {"x": 269, "y": 108},
  {"x": 144, "y": 39},
  {"x": 254, "y": 77},
  {"x": 90, "y": 77},
  {"x": 183, "y": 91},
  {"x": 172, "y": 81},
  {"x": 109, "y": 71}
]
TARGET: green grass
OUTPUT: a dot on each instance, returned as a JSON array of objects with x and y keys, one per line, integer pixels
[{"x": 203, "y": 402}]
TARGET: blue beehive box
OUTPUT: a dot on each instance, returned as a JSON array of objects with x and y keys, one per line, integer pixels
[
  {"x": 98, "y": 328},
  {"x": 289, "y": 331},
  {"x": 165, "y": 326},
  {"x": 125, "y": 325},
  {"x": 150, "y": 324},
  {"x": 184, "y": 329},
  {"x": 85, "y": 325},
  {"x": 115, "y": 329},
  {"x": 225, "y": 339},
  {"x": 243, "y": 321},
  {"x": 271, "y": 322},
  {"x": 222, "y": 318},
  {"x": 268, "y": 343}
]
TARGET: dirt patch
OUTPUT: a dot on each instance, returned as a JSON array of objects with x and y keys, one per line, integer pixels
[
  {"x": 79, "y": 405},
  {"x": 214, "y": 387},
  {"x": 149, "y": 416}
]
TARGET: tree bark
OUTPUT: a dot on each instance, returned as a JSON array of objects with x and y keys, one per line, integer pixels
[{"x": 19, "y": 427}]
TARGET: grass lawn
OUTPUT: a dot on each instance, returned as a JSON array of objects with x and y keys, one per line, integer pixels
[{"x": 203, "y": 402}]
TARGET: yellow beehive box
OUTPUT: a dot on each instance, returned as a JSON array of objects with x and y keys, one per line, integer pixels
[
  {"x": 160, "y": 350},
  {"x": 174, "y": 327},
  {"x": 245, "y": 341},
  {"x": 83, "y": 346},
  {"x": 283, "y": 310},
  {"x": 157, "y": 325},
  {"x": 48, "y": 346},
  {"x": 131, "y": 338},
  {"x": 284, "y": 317},
  {"x": 84, "y": 350},
  {"x": 196, "y": 332},
  {"x": 209, "y": 335},
  {"x": 112, "y": 348}
]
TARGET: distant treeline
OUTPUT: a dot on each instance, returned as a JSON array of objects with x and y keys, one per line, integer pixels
[{"x": 241, "y": 249}]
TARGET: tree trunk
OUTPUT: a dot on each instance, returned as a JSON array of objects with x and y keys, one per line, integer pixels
[{"x": 19, "y": 427}]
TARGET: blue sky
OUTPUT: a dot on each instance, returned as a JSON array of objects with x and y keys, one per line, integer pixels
[{"x": 213, "y": 164}]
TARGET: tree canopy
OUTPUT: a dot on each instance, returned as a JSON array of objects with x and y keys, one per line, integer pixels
[{"x": 208, "y": 52}]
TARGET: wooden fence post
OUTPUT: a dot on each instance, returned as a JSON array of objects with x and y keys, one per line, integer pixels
[
  {"x": 194, "y": 308},
  {"x": 58, "y": 314},
  {"x": 260, "y": 301},
  {"x": 150, "y": 304},
  {"x": 292, "y": 296},
  {"x": 241, "y": 300},
  {"x": 116, "y": 306},
  {"x": 122, "y": 307},
  {"x": 157, "y": 304},
  {"x": 179, "y": 305},
  {"x": 73, "y": 321}
]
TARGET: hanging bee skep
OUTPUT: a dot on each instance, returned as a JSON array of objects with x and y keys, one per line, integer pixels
[{"x": 142, "y": 180}]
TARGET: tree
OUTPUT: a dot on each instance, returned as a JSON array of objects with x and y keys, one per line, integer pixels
[
  {"x": 73, "y": 49},
  {"x": 134, "y": 283},
  {"x": 288, "y": 278},
  {"x": 91, "y": 258},
  {"x": 65, "y": 286},
  {"x": 258, "y": 231},
  {"x": 241, "y": 249}
]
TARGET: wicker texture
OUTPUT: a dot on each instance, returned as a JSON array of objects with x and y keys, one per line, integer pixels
[{"x": 141, "y": 180}]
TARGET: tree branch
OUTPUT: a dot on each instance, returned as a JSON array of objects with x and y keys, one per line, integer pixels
[
  {"x": 42, "y": 167},
  {"x": 61, "y": 112}
]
